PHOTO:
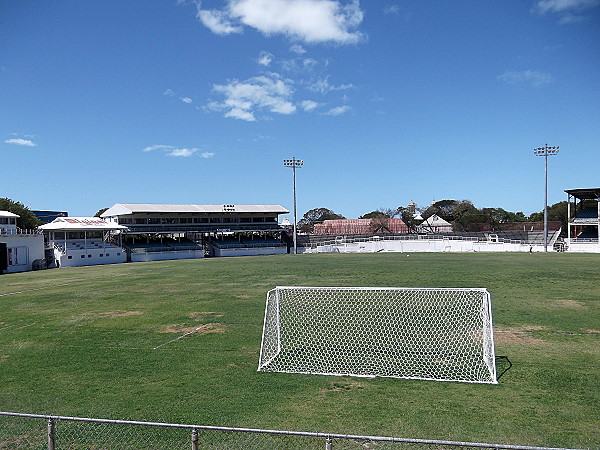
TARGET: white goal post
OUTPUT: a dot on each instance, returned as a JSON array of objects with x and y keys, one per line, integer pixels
[{"x": 442, "y": 334}]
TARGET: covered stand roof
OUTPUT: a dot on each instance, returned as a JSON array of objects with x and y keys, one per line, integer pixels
[
  {"x": 585, "y": 194},
  {"x": 7, "y": 214},
  {"x": 120, "y": 209},
  {"x": 80, "y": 224}
]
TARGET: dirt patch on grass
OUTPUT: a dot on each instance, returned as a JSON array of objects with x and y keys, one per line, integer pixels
[
  {"x": 115, "y": 314},
  {"x": 593, "y": 331},
  {"x": 338, "y": 387},
  {"x": 3, "y": 358},
  {"x": 518, "y": 336},
  {"x": 569, "y": 303},
  {"x": 204, "y": 314},
  {"x": 200, "y": 329}
]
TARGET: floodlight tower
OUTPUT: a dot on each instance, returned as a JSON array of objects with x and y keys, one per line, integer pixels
[
  {"x": 545, "y": 151},
  {"x": 294, "y": 164}
]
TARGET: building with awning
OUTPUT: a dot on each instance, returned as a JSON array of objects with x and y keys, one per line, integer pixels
[
  {"x": 583, "y": 225},
  {"x": 158, "y": 230},
  {"x": 84, "y": 241}
]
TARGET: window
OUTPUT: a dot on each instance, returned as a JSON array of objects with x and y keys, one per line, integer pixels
[
  {"x": 70, "y": 257},
  {"x": 141, "y": 221},
  {"x": 18, "y": 256}
]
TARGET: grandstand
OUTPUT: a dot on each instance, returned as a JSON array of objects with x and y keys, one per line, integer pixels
[
  {"x": 583, "y": 233},
  {"x": 83, "y": 241},
  {"x": 182, "y": 231}
]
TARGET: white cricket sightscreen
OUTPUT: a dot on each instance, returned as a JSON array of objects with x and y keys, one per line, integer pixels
[{"x": 442, "y": 334}]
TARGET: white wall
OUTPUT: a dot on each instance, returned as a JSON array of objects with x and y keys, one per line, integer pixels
[
  {"x": 29, "y": 248},
  {"x": 90, "y": 257},
  {"x": 424, "y": 246},
  {"x": 249, "y": 251},
  {"x": 164, "y": 256}
]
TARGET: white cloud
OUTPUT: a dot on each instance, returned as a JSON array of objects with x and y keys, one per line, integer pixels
[
  {"x": 219, "y": 22},
  {"x": 169, "y": 93},
  {"x": 170, "y": 150},
  {"x": 566, "y": 9},
  {"x": 533, "y": 77},
  {"x": 298, "y": 49},
  {"x": 265, "y": 58},
  {"x": 311, "y": 21},
  {"x": 338, "y": 110},
  {"x": 243, "y": 98},
  {"x": 323, "y": 86},
  {"x": 391, "y": 9},
  {"x": 157, "y": 147},
  {"x": 19, "y": 141},
  {"x": 182, "y": 152},
  {"x": 559, "y": 6},
  {"x": 186, "y": 100},
  {"x": 309, "y": 105}
]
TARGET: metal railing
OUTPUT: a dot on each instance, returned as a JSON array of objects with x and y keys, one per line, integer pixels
[
  {"x": 19, "y": 231},
  {"x": 19, "y": 430}
]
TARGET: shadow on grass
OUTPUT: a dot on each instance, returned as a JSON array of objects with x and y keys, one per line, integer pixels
[{"x": 503, "y": 365}]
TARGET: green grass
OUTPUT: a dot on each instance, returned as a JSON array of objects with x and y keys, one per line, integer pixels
[{"x": 82, "y": 342}]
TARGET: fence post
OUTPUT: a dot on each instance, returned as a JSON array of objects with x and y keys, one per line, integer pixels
[
  {"x": 194, "y": 439},
  {"x": 50, "y": 434},
  {"x": 328, "y": 443}
]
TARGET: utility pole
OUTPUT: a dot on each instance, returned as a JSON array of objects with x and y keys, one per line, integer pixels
[
  {"x": 545, "y": 151},
  {"x": 294, "y": 164}
]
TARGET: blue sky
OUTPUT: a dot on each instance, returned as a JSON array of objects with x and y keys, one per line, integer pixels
[{"x": 386, "y": 101}]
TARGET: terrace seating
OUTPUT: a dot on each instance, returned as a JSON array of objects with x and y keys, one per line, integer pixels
[
  {"x": 167, "y": 245},
  {"x": 588, "y": 213},
  {"x": 588, "y": 233}
]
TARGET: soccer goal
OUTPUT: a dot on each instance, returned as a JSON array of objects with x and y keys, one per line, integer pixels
[{"x": 442, "y": 334}]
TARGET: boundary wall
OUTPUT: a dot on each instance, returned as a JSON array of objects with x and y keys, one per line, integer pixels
[{"x": 428, "y": 245}]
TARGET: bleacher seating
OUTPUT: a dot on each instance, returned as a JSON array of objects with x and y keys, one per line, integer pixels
[
  {"x": 246, "y": 243},
  {"x": 166, "y": 245},
  {"x": 588, "y": 213},
  {"x": 588, "y": 233}
]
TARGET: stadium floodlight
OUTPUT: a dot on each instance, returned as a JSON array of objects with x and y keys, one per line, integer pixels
[
  {"x": 294, "y": 164},
  {"x": 441, "y": 334},
  {"x": 545, "y": 151}
]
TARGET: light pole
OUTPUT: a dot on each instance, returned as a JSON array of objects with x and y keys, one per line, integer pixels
[
  {"x": 294, "y": 164},
  {"x": 545, "y": 151}
]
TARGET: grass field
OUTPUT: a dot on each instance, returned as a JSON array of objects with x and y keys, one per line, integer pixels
[{"x": 108, "y": 341}]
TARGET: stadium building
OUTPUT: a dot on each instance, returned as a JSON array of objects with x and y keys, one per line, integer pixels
[
  {"x": 175, "y": 231},
  {"x": 83, "y": 241},
  {"x": 20, "y": 250},
  {"x": 583, "y": 220}
]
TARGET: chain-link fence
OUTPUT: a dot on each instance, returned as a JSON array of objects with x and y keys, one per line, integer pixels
[{"x": 35, "y": 431}]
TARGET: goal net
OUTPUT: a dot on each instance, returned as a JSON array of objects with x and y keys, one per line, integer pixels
[{"x": 442, "y": 334}]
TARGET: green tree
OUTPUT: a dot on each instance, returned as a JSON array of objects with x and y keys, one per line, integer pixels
[
  {"x": 375, "y": 215},
  {"x": 27, "y": 219},
  {"x": 314, "y": 216},
  {"x": 100, "y": 211}
]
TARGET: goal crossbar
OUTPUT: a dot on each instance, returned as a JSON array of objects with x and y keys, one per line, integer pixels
[{"x": 441, "y": 334}]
